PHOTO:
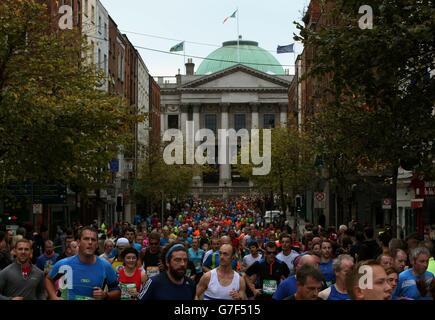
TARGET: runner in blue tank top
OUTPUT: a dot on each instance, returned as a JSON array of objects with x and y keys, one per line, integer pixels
[
  {"x": 326, "y": 262},
  {"x": 341, "y": 266}
]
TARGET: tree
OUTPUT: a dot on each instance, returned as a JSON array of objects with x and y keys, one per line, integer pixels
[
  {"x": 157, "y": 180},
  {"x": 378, "y": 106},
  {"x": 292, "y": 159},
  {"x": 55, "y": 124}
]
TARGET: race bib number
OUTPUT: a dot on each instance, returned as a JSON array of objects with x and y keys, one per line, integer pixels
[
  {"x": 48, "y": 266},
  {"x": 269, "y": 286},
  {"x": 83, "y": 298},
  {"x": 198, "y": 267},
  {"x": 125, "y": 294},
  {"x": 152, "y": 271}
]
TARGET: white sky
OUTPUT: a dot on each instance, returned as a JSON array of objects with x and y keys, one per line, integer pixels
[{"x": 269, "y": 22}]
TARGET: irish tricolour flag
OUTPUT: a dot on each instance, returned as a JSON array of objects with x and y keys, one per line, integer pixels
[{"x": 231, "y": 16}]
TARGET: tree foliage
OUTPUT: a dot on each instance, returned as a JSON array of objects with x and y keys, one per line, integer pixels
[
  {"x": 374, "y": 107},
  {"x": 378, "y": 102},
  {"x": 158, "y": 180},
  {"x": 292, "y": 164},
  {"x": 55, "y": 124}
]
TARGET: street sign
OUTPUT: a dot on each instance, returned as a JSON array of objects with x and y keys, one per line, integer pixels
[
  {"x": 319, "y": 196},
  {"x": 387, "y": 204},
  {"x": 37, "y": 208},
  {"x": 417, "y": 203},
  {"x": 114, "y": 165},
  {"x": 319, "y": 200},
  {"x": 37, "y": 192}
]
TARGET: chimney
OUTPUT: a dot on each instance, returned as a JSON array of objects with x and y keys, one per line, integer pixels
[{"x": 190, "y": 67}]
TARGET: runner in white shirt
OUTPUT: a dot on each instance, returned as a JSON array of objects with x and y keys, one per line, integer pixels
[
  {"x": 287, "y": 255},
  {"x": 250, "y": 259},
  {"x": 222, "y": 283}
]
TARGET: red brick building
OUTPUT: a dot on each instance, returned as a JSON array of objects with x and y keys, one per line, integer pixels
[
  {"x": 117, "y": 72},
  {"x": 53, "y": 8},
  {"x": 154, "y": 112}
]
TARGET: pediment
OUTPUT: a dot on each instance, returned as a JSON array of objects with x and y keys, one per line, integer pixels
[{"x": 238, "y": 76}]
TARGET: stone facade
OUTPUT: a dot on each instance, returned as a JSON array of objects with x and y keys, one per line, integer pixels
[{"x": 235, "y": 98}]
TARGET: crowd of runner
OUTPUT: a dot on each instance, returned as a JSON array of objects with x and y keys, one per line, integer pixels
[{"x": 215, "y": 250}]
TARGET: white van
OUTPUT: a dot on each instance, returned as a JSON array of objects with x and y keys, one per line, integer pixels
[{"x": 272, "y": 216}]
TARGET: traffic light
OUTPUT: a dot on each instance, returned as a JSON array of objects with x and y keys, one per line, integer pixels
[
  {"x": 119, "y": 206},
  {"x": 12, "y": 218},
  {"x": 298, "y": 202}
]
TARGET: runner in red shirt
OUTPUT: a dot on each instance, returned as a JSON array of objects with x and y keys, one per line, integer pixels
[{"x": 131, "y": 276}]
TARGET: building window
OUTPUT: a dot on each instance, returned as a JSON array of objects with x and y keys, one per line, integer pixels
[
  {"x": 173, "y": 121},
  {"x": 121, "y": 66},
  {"x": 211, "y": 122},
  {"x": 99, "y": 24},
  {"x": 92, "y": 52},
  {"x": 99, "y": 58},
  {"x": 239, "y": 121},
  {"x": 93, "y": 14},
  {"x": 105, "y": 63},
  {"x": 105, "y": 31},
  {"x": 79, "y": 13},
  {"x": 269, "y": 121},
  {"x": 86, "y": 8}
]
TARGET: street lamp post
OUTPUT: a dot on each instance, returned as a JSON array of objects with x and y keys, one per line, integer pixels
[{"x": 163, "y": 195}]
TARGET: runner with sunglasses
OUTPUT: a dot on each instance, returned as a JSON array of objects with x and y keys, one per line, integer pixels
[
  {"x": 151, "y": 259},
  {"x": 263, "y": 277}
]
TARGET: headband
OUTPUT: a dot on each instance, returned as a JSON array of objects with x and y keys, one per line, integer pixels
[{"x": 174, "y": 248}]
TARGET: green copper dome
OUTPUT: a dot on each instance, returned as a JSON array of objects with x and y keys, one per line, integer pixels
[{"x": 251, "y": 55}]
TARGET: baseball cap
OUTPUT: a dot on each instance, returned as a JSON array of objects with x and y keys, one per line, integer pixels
[{"x": 122, "y": 241}]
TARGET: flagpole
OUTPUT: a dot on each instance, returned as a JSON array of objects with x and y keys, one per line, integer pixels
[
  {"x": 238, "y": 37},
  {"x": 294, "y": 62},
  {"x": 184, "y": 51}
]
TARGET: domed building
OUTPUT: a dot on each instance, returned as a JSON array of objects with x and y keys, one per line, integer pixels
[
  {"x": 234, "y": 87},
  {"x": 250, "y": 54}
]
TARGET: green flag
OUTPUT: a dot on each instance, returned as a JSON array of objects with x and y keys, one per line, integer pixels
[{"x": 177, "y": 47}]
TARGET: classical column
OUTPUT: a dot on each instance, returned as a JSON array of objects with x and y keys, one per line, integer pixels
[
  {"x": 162, "y": 120},
  {"x": 283, "y": 108},
  {"x": 197, "y": 180},
  {"x": 225, "y": 169},
  {"x": 254, "y": 115},
  {"x": 196, "y": 109},
  {"x": 254, "y": 123},
  {"x": 183, "y": 118}
]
